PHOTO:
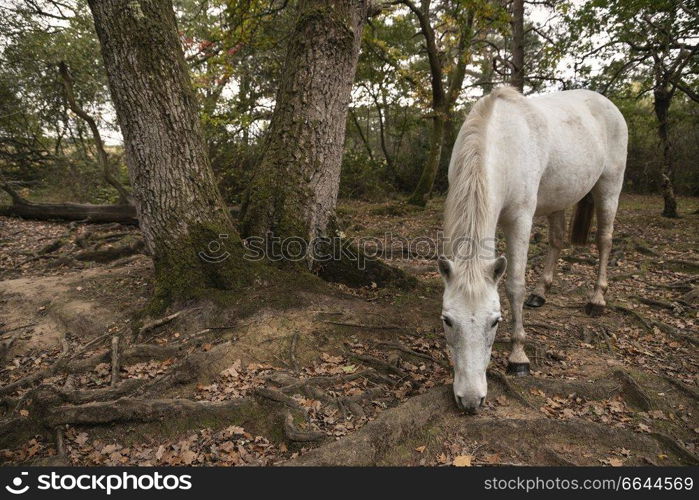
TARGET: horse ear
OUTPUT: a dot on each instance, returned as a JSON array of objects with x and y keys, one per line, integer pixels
[
  {"x": 499, "y": 267},
  {"x": 445, "y": 268}
]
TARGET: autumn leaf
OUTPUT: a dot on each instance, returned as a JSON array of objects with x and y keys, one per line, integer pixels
[
  {"x": 462, "y": 461},
  {"x": 188, "y": 457},
  {"x": 421, "y": 449}
]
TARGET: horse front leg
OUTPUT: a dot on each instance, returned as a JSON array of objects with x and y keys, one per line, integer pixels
[
  {"x": 517, "y": 236},
  {"x": 557, "y": 235}
]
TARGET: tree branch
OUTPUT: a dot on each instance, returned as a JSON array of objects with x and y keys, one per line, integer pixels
[{"x": 102, "y": 157}]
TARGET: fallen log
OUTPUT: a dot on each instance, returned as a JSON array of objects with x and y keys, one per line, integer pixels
[{"x": 123, "y": 214}]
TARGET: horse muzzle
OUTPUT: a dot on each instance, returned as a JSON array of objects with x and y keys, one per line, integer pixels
[{"x": 469, "y": 405}]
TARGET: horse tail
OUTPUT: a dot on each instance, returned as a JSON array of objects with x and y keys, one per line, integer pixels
[{"x": 582, "y": 220}]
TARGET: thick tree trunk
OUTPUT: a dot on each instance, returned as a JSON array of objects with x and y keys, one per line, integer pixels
[
  {"x": 294, "y": 190},
  {"x": 661, "y": 104},
  {"x": 185, "y": 224},
  {"x": 517, "y": 79}
]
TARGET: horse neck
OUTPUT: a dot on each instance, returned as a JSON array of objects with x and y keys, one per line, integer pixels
[{"x": 471, "y": 208}]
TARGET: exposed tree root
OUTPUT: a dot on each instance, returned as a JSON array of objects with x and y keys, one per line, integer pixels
[
  {"x": 634, "y": 391},
  {"x": 684, "y": 389},
  {"x": 378, "y": 364},
  {"x": 295, "y": 434},
  {"x": 152, "y": 325},
  {"x": 402, "y": 348},
  {"x": 650, "y": 323},
  {"x": 351, "y": 273},
  {"x": 689, "y": 264},
  {"x": 366, "y": 446},
  {"x": 688, "y": 457},
  {"x": 363, "y": 326},
  {"x": 658, "y": 303},
  {"x": 137, "y": 410},
  {"x": 115, "y": 361},
  {"x": 106, "y": 253},
  {"x": 136, "y": 353},
  {"x": 276, "y": 396},
  {"x": 503, "y": 380},
  {"x": 432, "y": 414}
]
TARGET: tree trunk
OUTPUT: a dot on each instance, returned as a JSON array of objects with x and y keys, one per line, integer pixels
[
  {"x": 661, "y": 104},
  {"x": 423, "y": 190},
  {"x": 517, "y": 79},
  {"x": 294, "y": 190},
  {"x": 442, "y": 100},
  {"x": 185, "y": 224}
]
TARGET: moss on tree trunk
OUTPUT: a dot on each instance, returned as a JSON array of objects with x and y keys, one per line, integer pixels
[
  {"x": 294, "y": 190},
  {"x": 185, "y": 224}
]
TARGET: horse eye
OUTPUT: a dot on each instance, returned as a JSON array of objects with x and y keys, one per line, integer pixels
[
  {"x": 495, "y": 323},
  {"x": 447, "y": 321}
]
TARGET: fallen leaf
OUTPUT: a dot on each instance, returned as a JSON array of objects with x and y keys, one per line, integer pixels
[
  {"x": 188, "y": 457},
  {"x": 462, "y": 461},
  {"x": 644, "y": 427}
]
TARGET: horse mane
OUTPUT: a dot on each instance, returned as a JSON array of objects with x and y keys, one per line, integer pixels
[{"x": 467, "y": 207}]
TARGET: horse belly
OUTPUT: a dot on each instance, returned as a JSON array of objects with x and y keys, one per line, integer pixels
[
  {"x": 563, "y": 185},
  {"x": 575, "y": 162}
]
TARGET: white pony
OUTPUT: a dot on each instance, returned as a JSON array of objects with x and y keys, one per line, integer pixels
[{"x": 516, "y": 158}]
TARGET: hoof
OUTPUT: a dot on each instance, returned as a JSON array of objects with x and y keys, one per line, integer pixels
[
  {"x": 518, "y": 369},
  {"x": 594, "y": 310},
  {"x": 535, "y": 301}
]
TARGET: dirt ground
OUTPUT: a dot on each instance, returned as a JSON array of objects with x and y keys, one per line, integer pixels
[{"x": 307, "y": 372}]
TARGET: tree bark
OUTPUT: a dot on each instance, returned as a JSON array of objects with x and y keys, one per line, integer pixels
[
  {"x": 517, "y": 79},
  {"x": 294, "y": 190},
  {"x": 185, "y": 224},
  {"x": 662, "y": 97}
]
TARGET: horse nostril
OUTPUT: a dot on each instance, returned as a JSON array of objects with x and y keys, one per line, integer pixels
[{"x": 482, "y": 401}]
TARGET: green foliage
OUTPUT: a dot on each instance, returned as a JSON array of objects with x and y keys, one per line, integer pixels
[
  {"x": 645, "y": 157},
  {"x": 235, "y": 50},
  {"x": 42, "y": 143}
]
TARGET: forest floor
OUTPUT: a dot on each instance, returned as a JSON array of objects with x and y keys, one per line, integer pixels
[{"x": 308, "y": 372}]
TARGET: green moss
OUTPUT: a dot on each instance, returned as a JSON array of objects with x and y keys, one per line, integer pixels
[{"x": 200, "y": 263}]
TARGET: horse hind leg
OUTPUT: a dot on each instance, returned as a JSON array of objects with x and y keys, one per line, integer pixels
[
  {"x": 557, "y": 238},
  {"x": 606, "y": 202}
]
